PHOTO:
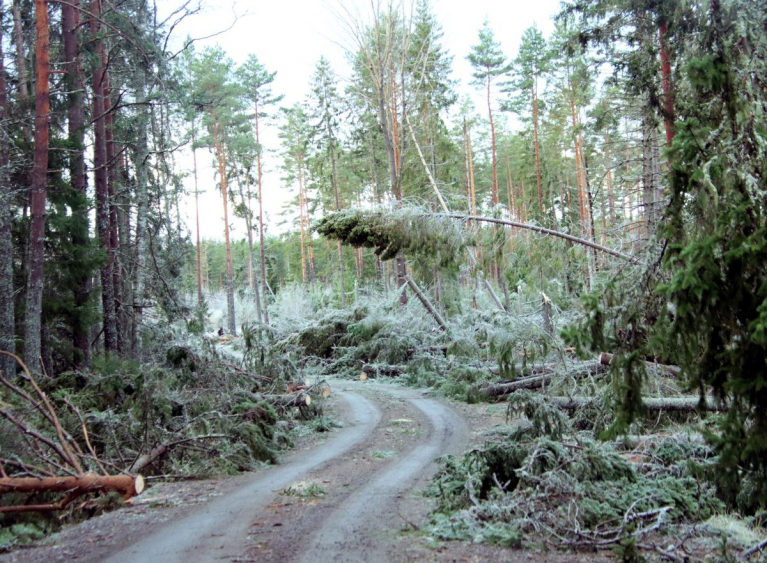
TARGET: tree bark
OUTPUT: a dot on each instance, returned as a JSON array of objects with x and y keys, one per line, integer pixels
[
  {"x": 289, "y": 400},
  {"x": 7, "y": 328},
  {"x": 262, "y": 241},
  {"x": 197, "y": 220},
  {"x": 534, "y": 89},
  {"x": 669, "y": 404},
  {"x": 127, "y": 485},
  {"x": 221, "y": 158},
  {"x": 70, "y": 22},
  {"x": 427, "y": 304},
  {"x": 21, "y": 60},
  {"x": 666, "y": 85},
  {"x": 102, "y": 189},
  {"x": 35, "y": 279},
  {"x": 542, "y": 376},
  {"x": 114, "y": 238}
]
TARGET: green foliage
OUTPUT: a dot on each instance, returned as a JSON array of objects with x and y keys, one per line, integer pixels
[
  {"x": 19, "y": 534},
  {"x": 389, "y": 233},
  {"x": 707, "y": 314}
]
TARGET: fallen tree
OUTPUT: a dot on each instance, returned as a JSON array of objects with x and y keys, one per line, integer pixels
[
  {"x": 540, "y": 377},
  {"x": 76, "y": 486},
  {"x": 669, "y": 404},
  {"x": 57, "y": 462},
  {"x": 302, "y": 399},
  {"x": 605, "y": 358}
]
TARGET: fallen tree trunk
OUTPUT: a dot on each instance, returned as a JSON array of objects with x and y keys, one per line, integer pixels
[
  {"x": 77, "y": 486},
  {"x": 299, "y": 400},
  {"x": 605, "y": 358},
  {"x": 143, "y": 460},
  {"x": 426, "y": 303},
  {"x": 670, "y": 404},
  {"x": 577, "y": 371}
]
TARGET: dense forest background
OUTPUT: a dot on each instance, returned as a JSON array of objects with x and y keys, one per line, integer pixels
[{"x": 612, "y": 183}]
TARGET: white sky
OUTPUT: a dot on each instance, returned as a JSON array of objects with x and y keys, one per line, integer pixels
[{"x": 289, "y": 36}]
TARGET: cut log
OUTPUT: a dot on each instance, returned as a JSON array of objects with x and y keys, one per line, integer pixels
[
  {"x": 605, "y": 358},
  {"x": 670, "y": 404},
  {"x": 363, "y": 376},
  {"x": 284, "y": 401},
  {"x": 127, "y": 485},
  {"x": 577, "y": 371},
  {"x": 143, "y": 460}
]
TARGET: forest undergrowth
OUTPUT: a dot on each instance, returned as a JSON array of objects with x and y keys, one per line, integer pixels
[{"x": 554, "y": 476}]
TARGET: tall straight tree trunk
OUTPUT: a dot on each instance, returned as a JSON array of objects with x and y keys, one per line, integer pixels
[
  {"x": 35, "y": 280},
  {"x": 334, "y": 179},
  {"x": 534, "y": 89},
  {"x": 668, "y": 92},
  {"x": 114, "y": 238},
  {"x": 492, "y": 146},
  {"x": 650, "y": 171},
  {"x": 302, "y": 219},
  {"x": 197, "y": 220},
  {"x": 70, "y": 20},
  {"x": 609, "y": 180},
  {"x": 388, "y": 141},
  {"x": 7, "y": 329},
  {"x": 142, "y": 209},
  {"x": 102, "y": 189},
  {"x": 252, "y": 257},
  {"x": 21, "y": 61},
  {"x": 221, "y": 158},
  {"x": 261, "y": 237}
]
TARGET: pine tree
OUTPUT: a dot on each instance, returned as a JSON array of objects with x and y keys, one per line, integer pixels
[
  {"x": 532, "y": 62},
  {"x": 7, "y": 328},
  {"x": 489, "y": 64},
  {"x": 35, "y": 277},
  {"x": 257, "y": 81}
]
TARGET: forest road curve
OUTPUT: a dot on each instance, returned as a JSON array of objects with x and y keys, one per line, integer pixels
[
  {"x": 365, "y": 526},
  {"x": 219, "y": 530}
]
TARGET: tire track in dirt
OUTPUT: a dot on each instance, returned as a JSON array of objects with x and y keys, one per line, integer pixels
[
  {"x": 219, "y": 530},
  {"x": 364, "y": 526}
]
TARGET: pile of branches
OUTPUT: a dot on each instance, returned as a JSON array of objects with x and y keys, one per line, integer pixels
[
  {"x": 43, "y": 459},
  {"x": 541, "y": 481}
]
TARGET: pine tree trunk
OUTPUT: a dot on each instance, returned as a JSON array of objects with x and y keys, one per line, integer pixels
[
  {"x": 334, "y": 178},
  {"x": 302, "y": 219},
  {"x": 252, "y": 260},
  {"x": 70, "y": 21},
  {"x": 609, "y": 179},
  {"x": 21, "y": 61},
  {"x": 668, "y": 92},
  {"x": 492, "y": 146},
  {"x": 35, "y": 279},
  {"x": 221, "y": 157},
  {"x": 649, "y": 167},
  {"x": 114, "y": 237},
  {"x": 261, "y": 236},
  {"x": 197, "y": 221},
  {"x": 7, "y": 329},
  {"x": 102, "y": 189},
  {"x": 141, "y": 157},
  {"x": 534, "y": 89}
]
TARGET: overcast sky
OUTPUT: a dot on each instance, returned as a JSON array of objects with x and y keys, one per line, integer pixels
[{"x": 289, "y": 36}]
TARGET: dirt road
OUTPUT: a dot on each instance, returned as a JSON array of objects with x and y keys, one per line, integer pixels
[{"x": 369, "y": 473}]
